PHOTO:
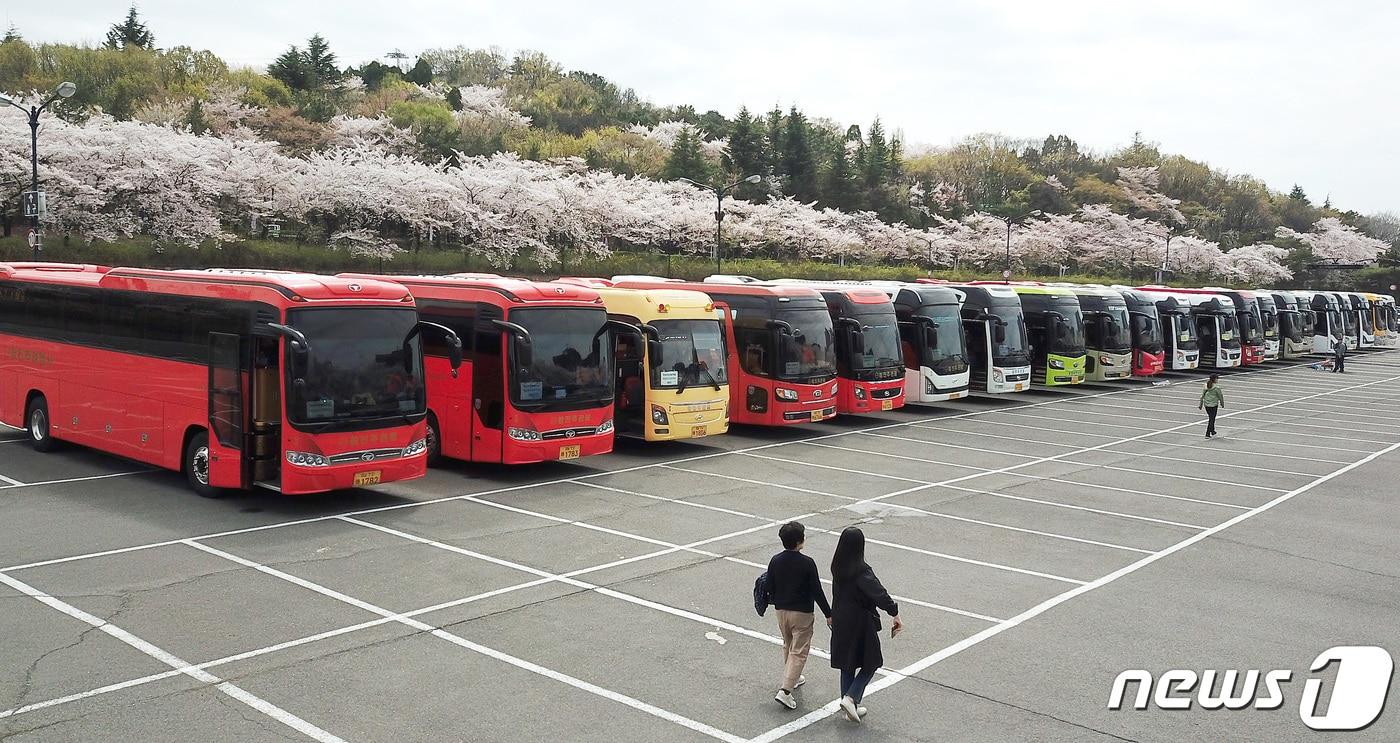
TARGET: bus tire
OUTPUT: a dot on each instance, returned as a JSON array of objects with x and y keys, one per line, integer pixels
[
  {"x": 37, "y": 423},
  {"x": 196, "y": 466},
  {"x": 434, "y": 436}
]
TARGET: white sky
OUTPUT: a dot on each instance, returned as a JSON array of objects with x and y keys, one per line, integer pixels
[{"x": 1287, "y": 91}]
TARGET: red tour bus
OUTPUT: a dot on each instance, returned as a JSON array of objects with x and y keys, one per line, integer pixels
[
  {"x": 537, "y": 382},
  {"x": 782, "y": 356},
  {"x": 288, "y": 381},
  {"x": 869, "y": 357}
]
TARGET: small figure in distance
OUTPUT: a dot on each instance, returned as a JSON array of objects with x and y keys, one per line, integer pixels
[{"x": 1212, "y": 400}]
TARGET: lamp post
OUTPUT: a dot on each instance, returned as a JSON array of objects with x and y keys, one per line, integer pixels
[
  {"x": 64, "y": 90},
  {"x": 720, "y": 193},
  {"x": 1010, "y": 221}
]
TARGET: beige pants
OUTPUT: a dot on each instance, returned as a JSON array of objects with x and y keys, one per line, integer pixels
[{"x": 796, "y": 629}]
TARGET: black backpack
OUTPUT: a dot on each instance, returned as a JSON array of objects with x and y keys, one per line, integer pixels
[{"x": 762, "y": 594}]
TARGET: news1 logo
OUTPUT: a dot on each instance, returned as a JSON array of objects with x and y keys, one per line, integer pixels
[{"x": 1358, "y": 694}]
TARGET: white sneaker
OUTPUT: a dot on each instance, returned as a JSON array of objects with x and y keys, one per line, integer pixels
[
  {"x": 800, "y": 681},
  {"x": 785, "y": 698},
  {"x": 848, "y": 706},
  {"x": 860, "y": 711}
]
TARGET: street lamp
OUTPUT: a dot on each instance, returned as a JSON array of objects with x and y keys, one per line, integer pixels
[
  {"x": 64, "y": 90},
  {"x": 720, "y": 193},
  {"x": 1010, "y": 221}
]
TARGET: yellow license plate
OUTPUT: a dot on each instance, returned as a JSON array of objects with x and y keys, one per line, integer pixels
[
  {"x": 1019, "y": 387},
  {"x": 887, "y": 404},
  {"x": 699, "y": 432},
  {"x": 1076, "y": 379},
  {"x": 816, "y": 415},
  {"x": 569, "y": 452},
  {"x": 368, "y": 478}
]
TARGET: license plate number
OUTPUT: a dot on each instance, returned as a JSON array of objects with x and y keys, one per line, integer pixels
[
  {"x": 1076, "y": 379},
  {"x": 699, "y": 432},
  {"x": 1019, "y": 387},
  {"x": 569, "y": 452},
  {"x": 816, "y": 415},
  {"x": 887, "y": 404},
  {"x": 368, "y": 478}
]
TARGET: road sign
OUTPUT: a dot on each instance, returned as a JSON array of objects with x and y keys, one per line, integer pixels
[
  {"x": 1392, "y": 287},
  {"x": 1006, "y": 274},
  {"x": 36, "y": 204}
]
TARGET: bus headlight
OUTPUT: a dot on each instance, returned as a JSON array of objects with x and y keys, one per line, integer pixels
[
  {"x": 524, "y": 434},
  {"x": 606, "y": 426},
  {"x": 783, "y": 393},
  {"x": 998, "y": 375},
  {"x": 859, "y": 392},
  {"x": 304, "y": 459},
  {"x": 1105, "y": 360},
  {"x": 415, "y": 448},
  {"x": 658, "y": 415},
  {"x": 1056, "y": 364}
]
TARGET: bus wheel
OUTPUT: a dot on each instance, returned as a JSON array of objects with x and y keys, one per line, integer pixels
[
  {"x": 434, "y": 441},
  {"x": 197, "y": 466},
  {"x": 36, "y": 420}
]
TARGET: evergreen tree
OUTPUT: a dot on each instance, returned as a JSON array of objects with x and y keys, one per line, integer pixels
[
  {"x": 320, "y": 62},
  {"x": 130, "y": 32},
  {"x": 746, "y": 156},
  {"x": 776, "y": 143},
  {"x": 877, "y": 157},
  {"x": 454, "y": 98},
  {"x": 290, "y": 68},
  {"x": 373, "y": 74},
  {"x": 422, "y": 74},
  {"x": 1297, "y": 194},
  {"x": 839, "y": 183},
  {"x": 194, "y": 118},
  {"x": 687, "y": 160},
  {"x": 12, "y": 34},
  {"x": 798, "y": 161}
]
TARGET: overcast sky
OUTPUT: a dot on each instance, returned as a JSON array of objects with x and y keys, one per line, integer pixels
[{"x": 1292, "y": 92}]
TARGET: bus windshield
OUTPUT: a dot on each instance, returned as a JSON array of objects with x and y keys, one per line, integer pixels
[
  {"x": 692, "y": 354},
  {"x": 1349, "y": 322},
  {"x": 809, "y": 351},
  {"x": 881, "y": 339},
  {"x": 1229, "y": 331},
  {"x": 1147, "y": 335},
  {"x": 1270, "y": 325},
  {"x": 1253, "y": 330},
  {"x": 1118, "y": 336},
  {"x": 947, "y": 357},
  {"x": 1069, "y": 342},
  {"x": 570, "y": 362},
  {"x": 1185, "y": 330},
  {"x": 1014, "y": 350},
  {"x": 364, "y": 364}
]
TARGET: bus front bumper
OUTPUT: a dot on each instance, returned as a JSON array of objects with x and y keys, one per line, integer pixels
[{"x": 301, "y": 480}]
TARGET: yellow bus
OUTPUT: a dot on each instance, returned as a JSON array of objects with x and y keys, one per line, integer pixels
[{"x": 676, "y": 385}]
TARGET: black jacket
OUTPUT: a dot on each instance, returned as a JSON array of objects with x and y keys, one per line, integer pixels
[
  {"x": 855, "y": 624},
  {"x": 793, "y": 583}
]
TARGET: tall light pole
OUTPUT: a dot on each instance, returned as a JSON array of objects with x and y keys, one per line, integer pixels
[
  {"x": 64, "y": 90},
  {"x": 720, "y": 193},
  {"x": 1010, "y": 221}
]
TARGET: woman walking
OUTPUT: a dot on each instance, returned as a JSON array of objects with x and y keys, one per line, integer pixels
[
  {"x": 855, "y": 624},
  {"x": 1212, "y": 400}
]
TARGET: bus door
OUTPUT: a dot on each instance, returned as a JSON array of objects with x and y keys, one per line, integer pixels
[
  {"x": 630, "y": 398},
  {"x": 227, "y": 412},
  {"x": 488, "y": 386}
]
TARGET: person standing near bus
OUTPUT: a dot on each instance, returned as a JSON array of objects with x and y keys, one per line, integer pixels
[
  {"x": 855, "y": 631},
  {"x": 1212, "y": 400},
  {"x": 794, "y": 586},
  {"x": 1339, "y": 356}
]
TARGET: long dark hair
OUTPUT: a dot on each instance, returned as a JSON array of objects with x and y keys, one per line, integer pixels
[{"x": 849, "y": 558}]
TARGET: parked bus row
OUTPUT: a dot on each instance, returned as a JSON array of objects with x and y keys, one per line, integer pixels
[{"x": 302, "y": 383}]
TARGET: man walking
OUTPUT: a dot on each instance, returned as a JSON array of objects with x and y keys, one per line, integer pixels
[
  {"x": 1339, "y": 356},
  {"x": 794, "y": 586}
]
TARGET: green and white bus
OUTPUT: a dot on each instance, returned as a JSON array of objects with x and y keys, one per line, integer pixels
[{"x": 1056, "y": 329}]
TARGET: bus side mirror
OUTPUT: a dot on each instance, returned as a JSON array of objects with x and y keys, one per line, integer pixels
[
  {"x": 524, "y": 351},
  {"x": 654, "y": 350},
  {"x": 999, "y": 332},
  {"x": 857, "y": 340}
]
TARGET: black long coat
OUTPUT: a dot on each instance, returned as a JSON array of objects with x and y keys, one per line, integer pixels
[{"x": 855, "y": 624}]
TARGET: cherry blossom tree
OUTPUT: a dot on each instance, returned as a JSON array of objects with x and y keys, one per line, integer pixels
[{"x": 1332, "y": 240}]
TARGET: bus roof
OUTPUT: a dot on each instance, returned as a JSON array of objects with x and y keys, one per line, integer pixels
[
  {"x": 751, "y": 290},
  {"x": 517, "y": 291},
  {"x": 651, "y": 304},
  {"x": 290, "y": 285},
  {"x": 1085, "y": 290},
  {"x": 1058, "y": 291}
]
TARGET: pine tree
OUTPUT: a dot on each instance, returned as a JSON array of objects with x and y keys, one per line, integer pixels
[
  {"x": 1297, "y": 194},
  {"x": 454, "y": 98},
  {"x": 838, "y": 183},
  {"x": 877, "y": 157},
  {"x": 290, "y": 68},
  {"x": 776, "y": 166},
  {"x": 798, "y": 161},
  {"x": 194, "y": 118},
  {"x": 746, "y": 156},
  {"x": 320, "y": 62},
  {"x": 12, "y": 34},
  {"x": 131, "y": 32},
  {"x": 687, "y": 160},
  {"x": 422, "y": 74}
]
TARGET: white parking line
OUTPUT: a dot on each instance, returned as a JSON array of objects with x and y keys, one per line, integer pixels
[
  {"x": 969, "y": 642},
  {"x": 1116, "y": 468},
  {"x": 1129, "y": 491},
  {"x": 994, "y": 436},
  {"x": 1072, "y": 507},
  {"x": 1271, "y": 470},
  {"x": 11, "y": 482},
  {"x": 1000, "y": 424},
  {"x": 520, "y": 663},
  {"x": 1216, "y": 447},
  {"x": 229, "y": 689},
  {"x": 18, "y": 484},
  {"x": 1289, "y": 444}
]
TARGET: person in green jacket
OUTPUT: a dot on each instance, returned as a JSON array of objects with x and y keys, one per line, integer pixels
[{"x": 1212, "y": 400}]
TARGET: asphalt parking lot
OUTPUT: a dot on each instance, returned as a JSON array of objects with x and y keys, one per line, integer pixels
[{"x": 1038, "y": 545}]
